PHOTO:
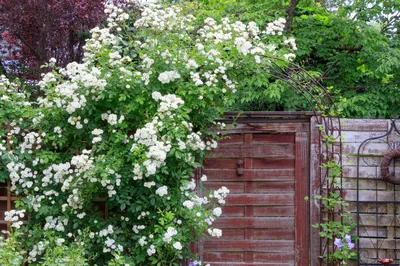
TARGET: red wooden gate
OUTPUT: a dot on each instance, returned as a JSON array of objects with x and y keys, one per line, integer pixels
[{"x": 265, "y": 220}]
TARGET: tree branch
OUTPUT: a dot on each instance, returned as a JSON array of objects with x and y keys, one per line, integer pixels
[{"x": 30, "y": 47}]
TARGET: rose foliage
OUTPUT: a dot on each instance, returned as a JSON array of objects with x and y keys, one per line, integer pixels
[{"x": 129, "y": 125}]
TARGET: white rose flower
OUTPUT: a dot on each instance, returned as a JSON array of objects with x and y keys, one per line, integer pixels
[{"x": 177, "y": 245}]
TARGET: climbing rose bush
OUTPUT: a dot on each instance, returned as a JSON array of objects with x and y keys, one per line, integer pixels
[{"x": 104, "y": 161}]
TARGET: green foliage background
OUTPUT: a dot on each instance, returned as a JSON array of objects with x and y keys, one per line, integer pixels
[{"x": 352, "y": 48}]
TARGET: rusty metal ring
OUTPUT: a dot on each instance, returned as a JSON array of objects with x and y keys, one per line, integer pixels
[{"x": 387, "y": 158}]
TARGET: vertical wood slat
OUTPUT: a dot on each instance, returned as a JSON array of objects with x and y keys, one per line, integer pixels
[
  {"x": 315, "y": 185},
  {"x": 248, "y": 139},
  {"x": 301, "y": 191}
]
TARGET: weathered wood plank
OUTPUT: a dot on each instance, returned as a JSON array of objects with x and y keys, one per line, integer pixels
[
  {"x": 364, "y": 183},
  {"x": 232, "y": 234},
  {"x": 368, "y": 208},
  {"x": 251, "y": 245},
  {"x": 370, "y": 243},
  {"x": 286, "y": 199},
  {"x": 236, "y": 211},
  {"x": 351, "y": 160},
  {"x": 361, "y": 136},
  {"x": 261, "y": 211},
  {"x": 364, "y": 171},
  {"x": 254, "y": 223},
  {"x": 231, "y": 139},
  {"x": 372, "y": 231},
  {"x": 301, "y": 206},
  {"x": 270, "y": 234},
  {"x": 263, "y": 163},
  {"x": 226, "y": 175},
  {"x": 255, "y": 151},
  {"x": 248, "y": 264},
  {"x": 273, "y": 138},
  {"x": 381, "y": 220},
  {"x": 269, "y": 128},
  {"x": 226, "y": 257},
  {"x": 277, "y": 258},
  {"x": 272, "y": 163},
  {"x": 364, "y": 124},
  {"x": 373, "y": 149},
  {"x": 268, "y": 187},
  {"x": 368, "y": 195}
]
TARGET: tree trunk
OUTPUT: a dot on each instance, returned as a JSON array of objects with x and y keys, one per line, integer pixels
[{"x": 290, "y": 15}]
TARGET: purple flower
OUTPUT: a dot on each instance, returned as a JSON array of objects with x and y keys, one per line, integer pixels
[
  {"x": 348, "y": 240},
  {"x": 338, "y": 243},
  {"x": 191, "y": 264}
]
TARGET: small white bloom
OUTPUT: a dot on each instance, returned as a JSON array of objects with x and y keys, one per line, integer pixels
[
  {"x": 162, "y": 191},
  {"x": 177, "y": 245}
]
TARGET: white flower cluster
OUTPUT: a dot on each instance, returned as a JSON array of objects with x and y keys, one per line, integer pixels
[
  {"x": 97, "y": 133},
  {"x": 2, "y": 149},
  {"x": 162, "y": 191},
  {"x": 289, "y": 56},
  {"x": 115, "y": 16},
  {"x": 220, "y": 194},
  {"x": 116, "y": 59},
  {"x": 177, "y": 245},
  {"x": 31, "y": 142},
  {"x": 58, "y": 131},
  {"x": 147, "y": 136},
  {"x": 111, "y": 118},
  {"x": 188, "y": 204},
  {"x": 245, "y": 37},
  {"x": 81, "y": 81},
  {"x": 47, "y": 79},
  {"x": 195, "y": 142},
  {"x": 162, "y": 19},
  {"x": 168, "y": 76},
  {"x": 167, "y": 103},
  {"x": 100, "y": 38},
  {"x": 7, "y": 85},
  {"x": 291, "y": 42},
  {"x": 55, "y": 223},
  {"x": 110, "y": 245},
  {"x": 37, "y": 250},
  {"x": 136, "y": 228},
  {"x": 157, "y": 150},
  {"x": 276, "y": 27},
  {"x": 76, "y": 121},
  {"x": 20, "y": 175},
  {"x": 217, "y": 211},
  {"x": 69, "y": 175},
  {"x": 149, "y": 184},
  {"x": 14, "y": 216},
  {"x": 169, "y": 234},
  {"x": 151, "y": 250},
  {"x": 60, "y": 241},
  {"x": 215, "y": 232}
]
